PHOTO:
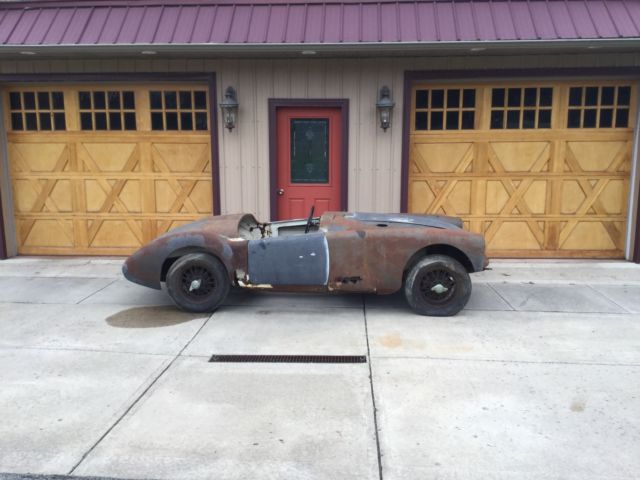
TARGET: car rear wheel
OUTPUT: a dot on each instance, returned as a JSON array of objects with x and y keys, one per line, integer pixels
[
  {"x": 437, "y": 285},
  {"x": 198, "y": 282}
]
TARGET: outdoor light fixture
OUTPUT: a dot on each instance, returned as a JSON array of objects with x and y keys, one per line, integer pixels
[
  {"x": 384, "y": 106},
  {"x": 229, "y": 107}
]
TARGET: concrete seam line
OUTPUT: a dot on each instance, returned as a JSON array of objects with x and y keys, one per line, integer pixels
[
  {"x": 97, "y": 291},
  {"x": 609, "y": 299},
  {"x": 373, "y": 397},
  {"x": 139, "y": 397},
  {"x": 515, "y": 362},
  {"x": 500, "y": 296}
]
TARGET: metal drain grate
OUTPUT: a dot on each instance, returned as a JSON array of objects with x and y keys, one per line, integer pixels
[{"x": 288, "y": 359}]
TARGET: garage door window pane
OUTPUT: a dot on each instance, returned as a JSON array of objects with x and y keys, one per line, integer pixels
[
  {"x": 15, "y": 103},
  {"x": 16, "y": 121},
  {"x": 444, "y": 109},
  {"x": 36, "y": 110},
  {"x": 178, "y": 110},
  {"x": 599, "y": 106},
  {"x": 102, "y": 110},
  {"x": 521, "y": 108}
]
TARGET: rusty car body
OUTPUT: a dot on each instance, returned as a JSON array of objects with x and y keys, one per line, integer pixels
[{"x": 336, "y": 252}]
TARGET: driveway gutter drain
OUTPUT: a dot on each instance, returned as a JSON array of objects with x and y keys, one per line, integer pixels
[{"x": 288, "y": 359}]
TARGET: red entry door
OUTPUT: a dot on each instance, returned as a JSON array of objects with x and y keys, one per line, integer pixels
[{"x": 309, "y": 146}]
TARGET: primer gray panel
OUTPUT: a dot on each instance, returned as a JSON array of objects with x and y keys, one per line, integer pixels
[{"x": 289, "y": 260}]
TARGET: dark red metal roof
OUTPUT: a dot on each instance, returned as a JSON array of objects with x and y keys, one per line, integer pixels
[{"x": 189, "y": 22}]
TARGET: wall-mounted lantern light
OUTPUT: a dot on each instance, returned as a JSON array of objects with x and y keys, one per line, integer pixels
[
  {"x": 229, "y": 108},
  {"x": 385, "y": 106}
]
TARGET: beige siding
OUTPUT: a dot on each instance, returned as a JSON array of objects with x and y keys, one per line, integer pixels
[{"x": 374, "y": 155}]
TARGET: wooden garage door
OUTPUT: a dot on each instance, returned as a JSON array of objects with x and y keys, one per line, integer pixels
[
  {"x": 103, "y": 169},
  {"x": 541, "y": 169}
]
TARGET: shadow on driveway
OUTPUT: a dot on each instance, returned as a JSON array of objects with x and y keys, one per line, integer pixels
[{"x": 151, "y": 317}]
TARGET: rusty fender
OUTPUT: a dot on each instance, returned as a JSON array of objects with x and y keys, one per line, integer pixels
[{"x": 213, "y": 235}]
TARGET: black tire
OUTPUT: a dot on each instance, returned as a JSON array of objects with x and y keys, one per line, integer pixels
[
  {"x": 209, "y": 293},
  {"x": 425, "y": 276}
]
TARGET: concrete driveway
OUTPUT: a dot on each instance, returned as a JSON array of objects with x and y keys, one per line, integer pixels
[{"x": 537, "y": 379}]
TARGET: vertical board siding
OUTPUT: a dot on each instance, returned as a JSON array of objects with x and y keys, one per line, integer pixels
[{"x": 374, "y": 182}]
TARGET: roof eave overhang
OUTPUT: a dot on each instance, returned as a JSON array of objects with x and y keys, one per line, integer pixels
[{"x": 332, "y": 49}]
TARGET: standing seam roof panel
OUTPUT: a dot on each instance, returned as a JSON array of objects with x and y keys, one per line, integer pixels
[
  {"x": 315, "y": 24},
  {"x": 39, "y": 29},
  {"x": 426, "y": 21},
  {"x": 542, "y": 21},
  {"x": 131, "y": 24},
  {"x": 94, "y": 28},
  {"x": 277, "y": 24},
  {"x": 465, "y": 23},
  {"x": 259, "y": 24},
  {"x": 221, "y": 24},
  {"x": 351, "y": 24},
  {"x": 483, "y": 21},
  {"x": 109, "y": 34},
  {"x": 23, "y": 27},
  {"x": 389, "y": 22},
  {"x": 634, "y": 14},
  {"x": 203, "y": 24},
  {"x": 505, "y": 29},
  {"x": 167, "y": 25},
  {"x": 186, "y": 23},
  {"x": 562, "y": 20},
  {"x": 370, "y": 23},
  {"x": 168, "y": 22},
  {"x": 604, "y": 26},
  {"x": 582, "y": 19},
  {"x": 445, "y": 22},
  {"x": 332, "y": 24},
  {"x": 148, "y": 25},
  {"x": 240, "y": 24},
  {"x": 623, "y": 21}
]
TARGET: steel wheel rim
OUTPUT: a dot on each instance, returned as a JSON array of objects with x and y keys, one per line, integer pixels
[
  {"x": 194, "y": 273},
  {"x": 430, "y": 281}
]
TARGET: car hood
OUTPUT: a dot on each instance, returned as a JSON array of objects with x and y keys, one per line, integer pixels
[{"x": 434, "y": 221}]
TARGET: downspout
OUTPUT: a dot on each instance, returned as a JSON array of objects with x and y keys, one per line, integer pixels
[
  {"x": 633, "y": 229},
  {"x": 5, "y": 181}
]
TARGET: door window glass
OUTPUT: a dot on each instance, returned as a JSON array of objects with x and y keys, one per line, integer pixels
[
  {"x": 516, "y": 108},
  {"x": 599, "y": 107},
  {"x": 309, "y": 150},
  {"x": 178, "y": 109},
  {"x": 37, "y": 111},
  {"x": 107, "y": 110},
  {"x": 445, "y": 109}
]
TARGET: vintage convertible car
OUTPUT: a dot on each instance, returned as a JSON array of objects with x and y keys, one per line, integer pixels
[{"x": 429, "y": 256}]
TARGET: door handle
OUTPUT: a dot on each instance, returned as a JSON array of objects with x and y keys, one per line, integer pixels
[{"x": 280, "y": 191}]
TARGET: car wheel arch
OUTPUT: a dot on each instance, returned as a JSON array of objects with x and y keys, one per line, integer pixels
[
  {"x": 439, "y": 249},
  {"x": 181, "y": 252}
]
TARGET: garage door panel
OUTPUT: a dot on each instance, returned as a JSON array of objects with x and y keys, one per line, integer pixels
[
  {"x": 520, "y": 156},
  {"x": 515, "y": 235},
  {"x": 602, "y": 156},
  {"x": 536, "y": 189},
  {"x": 106, "y": 192},
  {"x": 56, "y": 233},
  {"x": 591, "y": 235}
]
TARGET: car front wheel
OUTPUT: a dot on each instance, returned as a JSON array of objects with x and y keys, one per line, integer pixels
[
  {"x": 197, "y": 282},
  {"x": 438, "y": 286}
]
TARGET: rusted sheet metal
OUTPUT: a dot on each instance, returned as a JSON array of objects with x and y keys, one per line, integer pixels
[
  {"x": 215, "y": 235},
  {"x": 370, "y": 252},
  {"x": 364, "y": 252}
]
